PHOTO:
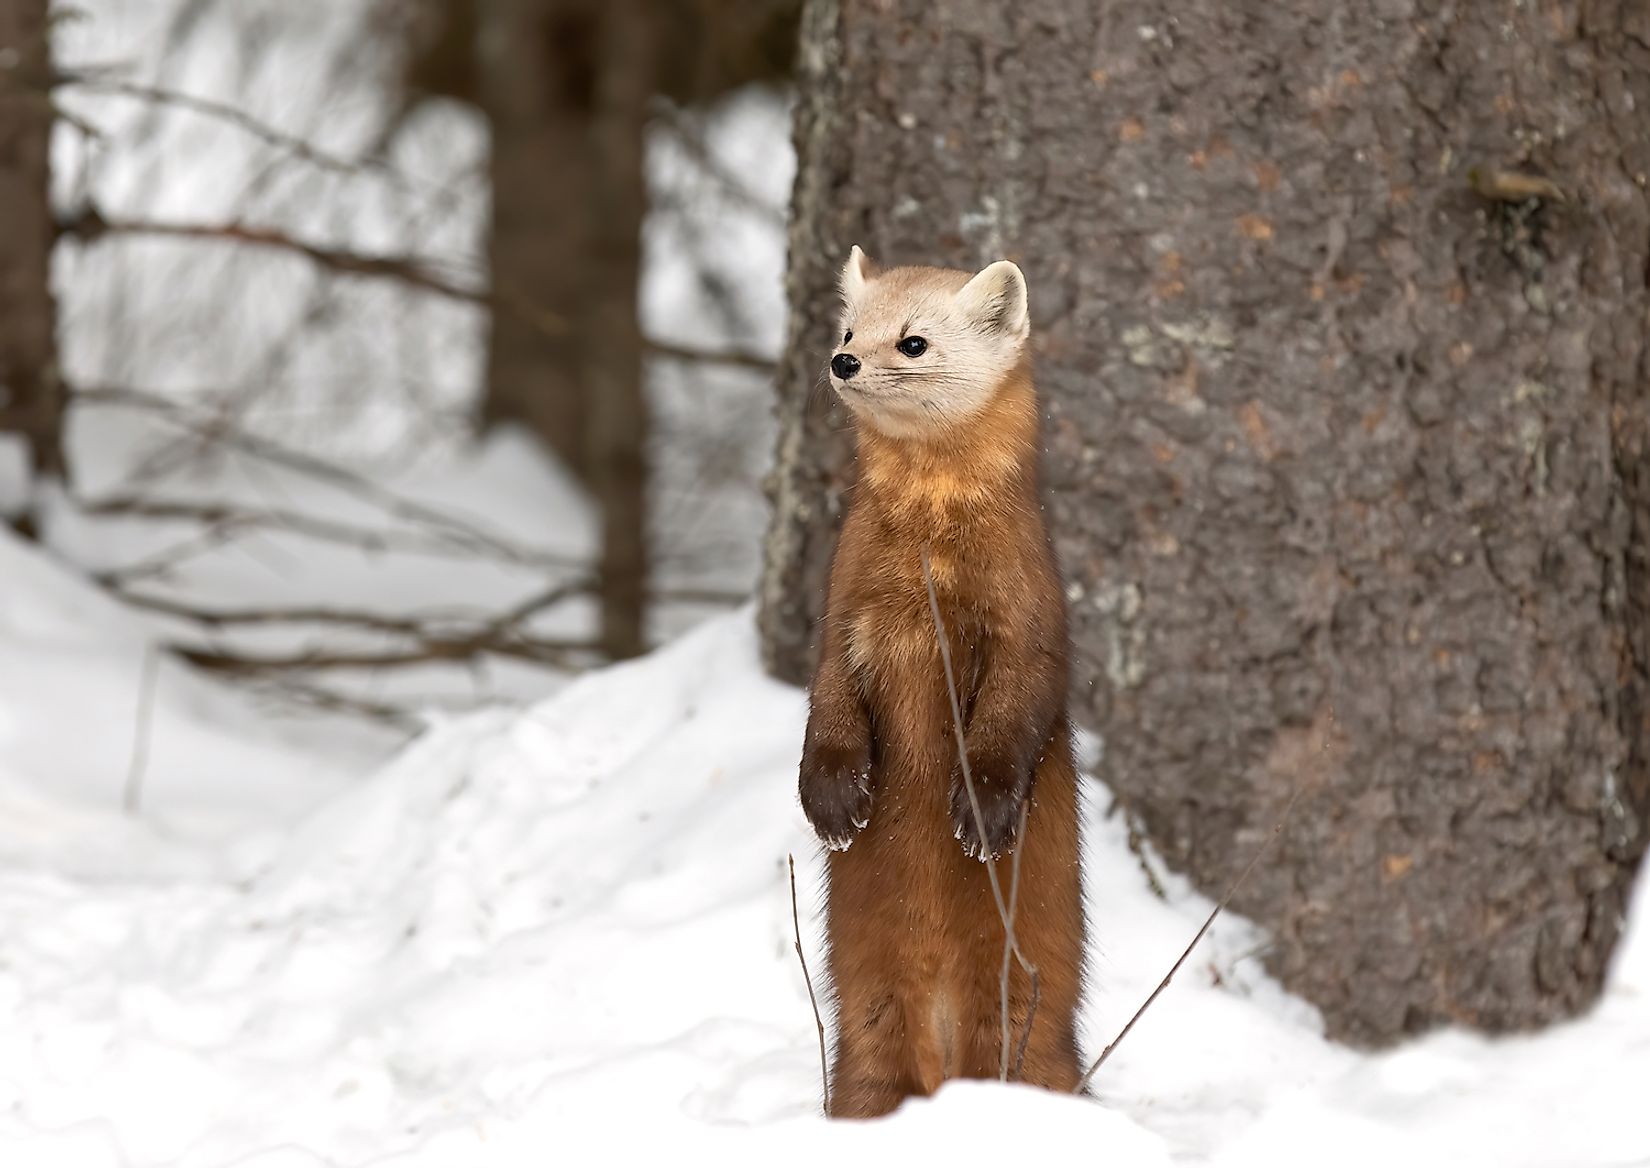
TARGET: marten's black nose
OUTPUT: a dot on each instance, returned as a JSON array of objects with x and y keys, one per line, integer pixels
[{"x": 845, "y": 365}]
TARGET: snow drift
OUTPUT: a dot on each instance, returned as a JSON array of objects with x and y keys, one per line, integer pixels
[{"x": 563, "y": 933}]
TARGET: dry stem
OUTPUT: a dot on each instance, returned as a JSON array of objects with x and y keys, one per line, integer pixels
[
  {"x": 141, "y": 730},
  {"x": 1005, "y": 912},
  {"x": 796, "y": 926},
  {"x": 1277, "y": 829}
]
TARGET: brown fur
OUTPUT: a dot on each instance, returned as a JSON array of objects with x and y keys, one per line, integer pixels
[{"x": 916, "y": 943}]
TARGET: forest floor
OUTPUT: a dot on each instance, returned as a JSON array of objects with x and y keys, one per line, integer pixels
[{"x": 564, "y": 930}]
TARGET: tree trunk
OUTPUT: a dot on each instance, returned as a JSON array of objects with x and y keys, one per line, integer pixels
[
  {"x": 565, "y": 85},
  {"x": 538, "y": 91},
  {"x": 565, "y": 88},
  {"x": 1345, "y": 440},
  {"x": 616, "y": 411},
  {"x": 31, "y": 395}
]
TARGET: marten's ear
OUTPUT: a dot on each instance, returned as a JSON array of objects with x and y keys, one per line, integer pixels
[
  {"x": 995, "y": 299},
  {"x": 856, "y": 273}
]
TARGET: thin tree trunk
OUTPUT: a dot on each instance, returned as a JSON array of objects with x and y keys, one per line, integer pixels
[
  {"x": 1346, "y": 450},
  {"x": 31, "y": 395},
  {"x": 616, "y": 411},
  {"x": 538, "y": 90},
  {"x": 565, "y": 88}
]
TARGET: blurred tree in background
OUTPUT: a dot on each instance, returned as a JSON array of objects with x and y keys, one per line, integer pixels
[
  {"x": 307, "y": 259},
  {"x": 31, "y": 399},
  {"x": 566, "y": 87},
  {"x": 1340, "y": 319}
]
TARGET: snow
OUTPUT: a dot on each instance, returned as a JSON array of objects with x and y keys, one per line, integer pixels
[{"x": 564, "y": 930}]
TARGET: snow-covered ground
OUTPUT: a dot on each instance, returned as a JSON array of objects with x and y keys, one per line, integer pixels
[{"x": 562, "y": 934}]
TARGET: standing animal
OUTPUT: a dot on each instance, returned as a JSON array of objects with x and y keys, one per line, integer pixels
[{"x": 935, "y": 368}]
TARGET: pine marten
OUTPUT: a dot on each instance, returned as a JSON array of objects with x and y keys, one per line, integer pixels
[{"x": 935, "y": 369}]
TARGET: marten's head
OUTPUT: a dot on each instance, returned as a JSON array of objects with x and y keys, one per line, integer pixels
[{"x": 923, "y": 349}]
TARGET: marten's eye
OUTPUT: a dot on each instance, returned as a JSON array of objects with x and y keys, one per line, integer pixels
[
  {"x": 913, "y": 346},
  {"x": 847, "y": 336}
]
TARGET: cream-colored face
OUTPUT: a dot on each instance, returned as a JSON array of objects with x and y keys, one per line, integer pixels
[{"x": 922, "y": 349}]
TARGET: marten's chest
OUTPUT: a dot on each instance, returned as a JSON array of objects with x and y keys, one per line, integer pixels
[
  {"x": 971, "y": 567},
  {"x": 894, "y": 643}
]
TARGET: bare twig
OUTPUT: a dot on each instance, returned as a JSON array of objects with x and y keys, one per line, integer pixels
[
  {"x": 141, "y": 730},
  {"x": 796, "y": 926},
  {"x": 166, "y": 561},
  {"x": 89, "y": 225},
  {"x": 230, "y": 517},
  {"x": 300, "y": 691},
  {"x": 460, "y": 531},
  {"x": 429, "y": 649},
  {"x": 692, "y": 140},
  {"x": 733, "y": 358},
  {"x": 1277, "y": 830},
  {"x": 1011, "y": 943},
  {"x": 105, "y": 82},
  {"x": 1031, "y": 1013},
  {"x": 412, "y": 626},
  {"x": 434, "y": 637},
  {"x": 1013, "y": 906}
]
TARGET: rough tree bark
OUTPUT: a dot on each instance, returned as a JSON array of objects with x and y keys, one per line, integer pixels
[
  {"x": 1346, "y": 450},
  {"x": 31, "y": 398}
]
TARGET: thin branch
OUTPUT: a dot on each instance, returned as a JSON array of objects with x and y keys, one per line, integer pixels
[
  {"x": 314, "y": 696},
  {"x": 1011, "y": 943},
  {"x": 724, "y": 597},
  {"x": 1277, "y": 830},
  {"x": 796, "y": 926},
  {"x": 1013, "y": 906},
  {"x": 1031, "y": 1014},
  {"x": 412, "y": 626},
  {"x": 166, "y": 561},
  {"x": 692, "y": 140},
  {"x": 733, "y": 358},
  {"x": 297, "y": 147},
  {"x": 429, "y": 650},
  {"x": 409, "y": 510},
  {"x": 1008, "y": 956},
  {"x": 141, "y": 730},
  {"x": 89, "y": 225},
  {"x": 500, "y": 636},
  {"x": 435, "y": 637},
  {"x": 221, "y": 515}
]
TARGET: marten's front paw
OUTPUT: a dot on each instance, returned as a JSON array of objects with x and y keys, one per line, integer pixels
[
  {"x": 1001, "y": 785},
  {"x": 836, "y": 793}
]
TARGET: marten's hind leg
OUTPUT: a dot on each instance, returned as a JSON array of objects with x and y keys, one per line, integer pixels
[
  {"x": 1032, "y": 1057},
  {"x": 1051, "y": 1058},
  {"x": 870, "y": 1075},
  {"x": 1046, "y": 1056}
]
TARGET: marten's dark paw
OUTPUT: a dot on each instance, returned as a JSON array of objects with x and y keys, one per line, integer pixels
[
  {"x": 836, "y": 793},
  {"x": 1001, "y": 786}
]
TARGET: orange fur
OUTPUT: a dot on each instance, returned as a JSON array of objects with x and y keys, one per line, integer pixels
[{"x": 916, "y": 943}]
